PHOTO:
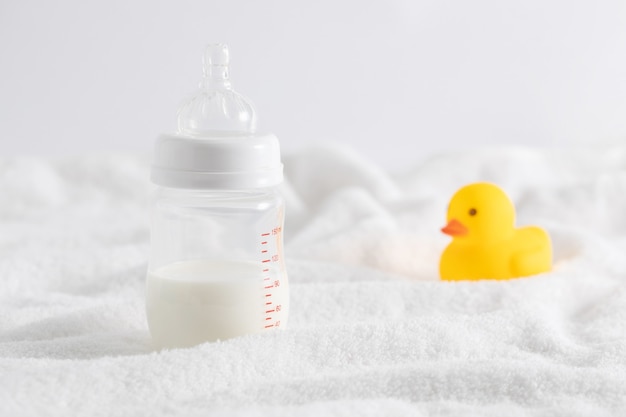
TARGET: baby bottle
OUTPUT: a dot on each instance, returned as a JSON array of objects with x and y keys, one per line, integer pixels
[{"x": 216, "y": 267}]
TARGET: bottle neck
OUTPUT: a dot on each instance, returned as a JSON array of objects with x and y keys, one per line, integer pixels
[
  {"x": 256, "y": 198},
  {"x": 226, "y": 163}
]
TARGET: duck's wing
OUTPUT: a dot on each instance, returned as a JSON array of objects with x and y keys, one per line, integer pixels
[{"x": 533, "y": 254}]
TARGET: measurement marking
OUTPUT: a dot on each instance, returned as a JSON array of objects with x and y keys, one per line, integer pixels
[
  {"x": 266, "y": 279},
  {"x": 270, "y": 311},
  {"x": 264, "y": 243},
  {"x": 266, "y": 270},
  {"x": 268, "y": 295},
  {"x": 269, "y": 286},
  {"x": 265, "y": 234},
  {"x": 265, "y": 260},
  {"x": 269, "y": 325},
  {"x": 264, "y": 251},
  {"x": 268, "y": 318},
  {"x": 268, "y": 303}
]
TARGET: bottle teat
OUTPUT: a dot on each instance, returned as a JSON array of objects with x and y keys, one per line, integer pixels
[{"x": 216, "y": 109}]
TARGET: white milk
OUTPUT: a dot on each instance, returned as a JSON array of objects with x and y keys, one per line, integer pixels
[{"x": 192, "y": 302}]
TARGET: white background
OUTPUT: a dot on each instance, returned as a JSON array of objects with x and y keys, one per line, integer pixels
[{"x": 398, "y": 80}]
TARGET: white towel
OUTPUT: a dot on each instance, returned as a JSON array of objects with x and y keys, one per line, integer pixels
[{"x": 372, "y": 331}]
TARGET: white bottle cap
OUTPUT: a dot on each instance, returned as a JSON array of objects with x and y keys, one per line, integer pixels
[{"x": 216, "y": 146}]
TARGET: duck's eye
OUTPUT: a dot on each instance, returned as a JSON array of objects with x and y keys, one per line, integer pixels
[{"x": 472, "y": 212}]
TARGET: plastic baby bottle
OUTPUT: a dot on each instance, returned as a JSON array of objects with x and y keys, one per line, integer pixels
[{"x": 216, "y": 267}]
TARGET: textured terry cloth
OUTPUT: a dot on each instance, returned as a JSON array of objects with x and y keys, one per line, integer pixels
[{"x": 372, "y": 331}]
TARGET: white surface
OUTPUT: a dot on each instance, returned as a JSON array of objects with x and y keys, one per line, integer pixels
[
  {"x": 398, "y": 79},
  {"x": 372, "y": 331}
]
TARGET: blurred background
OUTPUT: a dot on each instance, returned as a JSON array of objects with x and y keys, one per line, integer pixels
[{"x": 398, "y": 80}]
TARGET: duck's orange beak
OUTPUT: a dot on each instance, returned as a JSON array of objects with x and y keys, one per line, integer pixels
[{"x": 454, "y": 228}]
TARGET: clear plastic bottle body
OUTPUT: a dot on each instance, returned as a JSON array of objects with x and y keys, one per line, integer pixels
[{"x": 216, "y": 266}]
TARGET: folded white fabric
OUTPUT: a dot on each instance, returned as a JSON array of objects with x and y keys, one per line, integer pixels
[{"x": 372, "y": 330}]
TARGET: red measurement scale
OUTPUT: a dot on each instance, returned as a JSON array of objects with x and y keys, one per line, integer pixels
[{"x": 269, "y": 256}]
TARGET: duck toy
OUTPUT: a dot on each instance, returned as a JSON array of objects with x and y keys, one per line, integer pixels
[{"x": 485, "y": 242}]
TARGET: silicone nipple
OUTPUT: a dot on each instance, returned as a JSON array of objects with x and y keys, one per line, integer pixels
[{"x": 216, "y": 109}]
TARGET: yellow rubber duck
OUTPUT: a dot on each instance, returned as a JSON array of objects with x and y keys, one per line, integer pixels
[{"x": 485, "y": 242}]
